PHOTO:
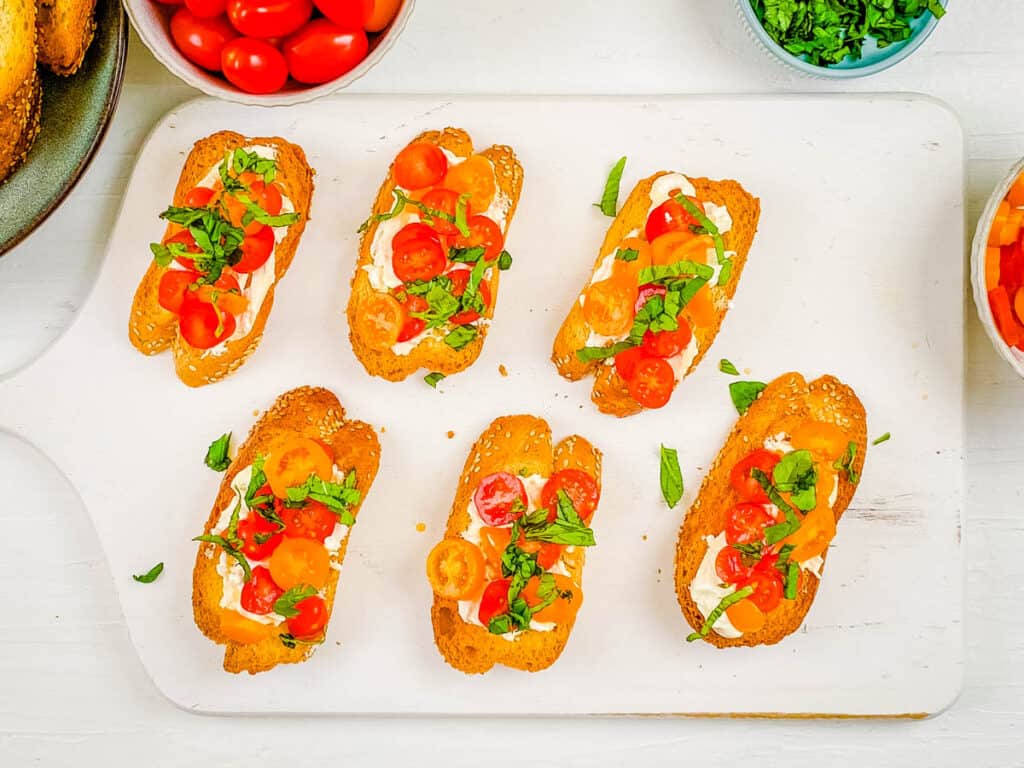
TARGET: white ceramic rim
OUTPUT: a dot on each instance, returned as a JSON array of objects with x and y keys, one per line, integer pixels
[
  {"x": 165, "y": 52},
  {"x": 978, "y": 269}
]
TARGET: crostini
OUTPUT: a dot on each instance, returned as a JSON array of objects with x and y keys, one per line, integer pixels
[
  {"x": 239, "y": 210},
  {"x": 507, "y": 576},
  {"x": 20, "y": 86},
  {"x": 269, "y": 558},
  {"x": 426, "y": 281},
  {"x": 752, "y": 548},
  {"x": 662, "y": 283}
]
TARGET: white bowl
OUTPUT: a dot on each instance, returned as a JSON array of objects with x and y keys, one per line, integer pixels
[
  {"x": 1012, "y": 355},
  {"x": 152, "y": 21}
]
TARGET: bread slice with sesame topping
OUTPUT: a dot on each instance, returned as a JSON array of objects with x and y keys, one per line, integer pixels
[
  {"x": 65, "y": 30},
  {"x": 20, "y": 88},
  {"x": 783, "y": 406},
  {"x": 311, "y": 412}
]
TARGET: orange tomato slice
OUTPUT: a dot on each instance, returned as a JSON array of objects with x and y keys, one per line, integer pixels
[
  {"x": 609, "y": 305},
  {"x": 290, "y": 464},
  {"x": 239, "y": 629},
  {"x": 565, "y": 606},
  {"x": 455, "y": 569},
  {"x": 818, "y": 527},
  {"x": 380, "y": 321},
  {"x": 493, "y": 543},
  {"x": 700, "y": 310},
  {"x": 475, "y": 176},
  {"x": 676, "y": 246},
  {"x": 824, "y": 440},
  {"x": 299, "y": 561},
  {"x": 745, "y": 616},
  {"x": 631, "y": 269}
]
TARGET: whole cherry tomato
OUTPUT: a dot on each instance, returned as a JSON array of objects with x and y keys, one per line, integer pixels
[
  {"x": 500, "y": 498},
  {"x": 351, "y": 14},
  {"x": 494, "y": 601},
  {"x": 323, "y": 51},
  {"x": 580, "y": 487},
  {"x": 420, "y": 165},
  {"x": 255, "y": 66},
  {"x": 383, "y": 12},
  {"x": 652, "y": 382},
  {"x": 268, "y": 18},
  {"x": 206, "y": 9},
  {"x": 311, "y": 620},
  {"x": 742, "y": 480},
  {"x": 260, "y": 592},
  {"x": 201, "y": 41}
]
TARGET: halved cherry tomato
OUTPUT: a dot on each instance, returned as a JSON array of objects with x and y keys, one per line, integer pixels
[
  {"x": 565, "y": 606},
  {"x": 445, "y": 201},
  {"x": 202, "y": 325},
  {"x": 206, "y": 9},
  {"x": 701, "y": 309},
  {"x": 383, "y": 12},
  {"x": 670, "y": 216},
  {"x": 380, "y": 321},
  {"x": 634, "y": 267},
  {"x": 300, "y": 561},
  {"x": 646, "y": 291},
  {"x": 312, "y": 520},
  {"x": 455, "y": 569},
  {"x": 742, "y": 481},
  {"x": 311, "y": 620},
  {"x": 460, "y": 279},
  {"x": 268, "y": 18},
  {"x": 493, "y": 543},
  {"x": 679, "y": 245},
  {"x": 244, "y": 631},
  {"x": 417, "y": 230},
  {"x": 198, "y": 197},
  {"x": 482, "y": 232},
  {"x": 494, "y": 600},
  {"x": 256, "y": 249},
  {"x": 259, "y": 536},
  {"x": 581, "y": 488},
  {"x": 322, "y": 51},
  {"x": 260, "y": 592},
  {"x": 627, "y": 361},
  {"x": 290, "y": 464},
  {"x": 225, "y": 294},
  {"x": 473, "y": 176},
  {"x": 420, "y": 165},
  {"x": 419, "y": 259},
  {"x": 608, "y": 306},
  {"x": 730, "y": 567},
  {"x": 547, "y": 553},
  {"x": 746, "y": 522},
  {"x": 201, "y": 41},
  {"x": 266, "y": 196},
  {"x": 351, "y": 14},
  {"x": 745, "y": 616},
  {"x": 818, "y": 527},
  {"x": 185, "y": 238},
  {"x": 767, "y": 584},
  {"x": 652, "y": 382},
  {"x": 253, "y": 65},
  {"x": 173, "y": 285},
  {"x": 668, "y": 343},
  {"x": 413, "y": 326},
  {"x": 824, "y": 440},
  {"x": 500, "y": 498}
]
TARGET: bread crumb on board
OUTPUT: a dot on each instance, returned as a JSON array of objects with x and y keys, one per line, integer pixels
[
  {"x": 451, "y": 434},
  {"x": 421, "y": 527},
  {"x": 644, "y": 537},
  {"x": 382, "y": 429},
  {"x": 503, "y": 370}
]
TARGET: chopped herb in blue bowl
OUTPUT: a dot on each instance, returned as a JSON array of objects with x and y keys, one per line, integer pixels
[{"x": 842, "y": 38}]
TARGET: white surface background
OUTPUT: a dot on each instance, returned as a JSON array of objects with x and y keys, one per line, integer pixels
[{"x": 71, "y": 688}]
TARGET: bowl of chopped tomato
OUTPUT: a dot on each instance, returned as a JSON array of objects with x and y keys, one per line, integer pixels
[
  {"x": 997, "y": 268},
  {"x": 269, "y": 52}
]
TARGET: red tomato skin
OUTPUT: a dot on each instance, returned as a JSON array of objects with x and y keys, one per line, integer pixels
[
  {"x": 420, "y": 165},
  {"x": 413, "y": 326},
  {"x": 668, "y": 343},
  {"x": 198, "y": 322},
  {"x": 260, "y": 592},
  {"x": 323, "y": 51},
  {"x": 268, "y": 18},
  {"x": 198, "y": 197},
  {"x": 201, "y": 41},
  {"x": 494, "y": 601},
  {"x": 495, "y": 496},
  {"x": 746, "y": 522},
  {"x": 253, "y": 526},
  {"x": 311, "y": 620},
  {"x": 730, "y": 568},
  {"x": 652, "y": 383},
  {"x": 419, "y": 259},
  {"x": 627, "y": 361},
  {"x": 744, "y": 484},
  {"x": 482, "y": 231},
  {"x": 313, "y": 521},
  {"x": 768, "y": 588},
  {"x": 206, "y": 9},
  {"x": 581, "y": 488},
  {"x": 460, "y": 279},
  {"x": 414, "y": 231},
  {"x": 173, "y": 286},
  {"x": 446, "y": 201},
  {"x": 254, "y": 66},
  {"x": 670, "y": 216},
  {"x": 350, "y": 14},
  {"x": 256, "y": 249}
]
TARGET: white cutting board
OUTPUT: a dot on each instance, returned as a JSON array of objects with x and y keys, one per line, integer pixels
[{"x": 857, "y": 270}]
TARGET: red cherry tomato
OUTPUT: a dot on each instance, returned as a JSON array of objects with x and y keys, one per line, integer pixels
[
  {"x": 420, "y": 165},
  {"x": 254, "y": 66},
  {"x": 446, "y": 201},
  {"x": 201, "y": 41},
  {"x": 580, "y": 487},
  {"x": 652, "y": 382},
  {"x": 256, "y": 249},
  {"x": 266, "y": 196},
  {"x": 730, "y": 567},
  {"x": 259, "y": 536},
  {"x": 169, "y": 2},
  {"x": 413, "y": 326},
  {"x": 185, "y": 238},
  {"x": 206, "y": 9},
  {"x": 547, "y": 553},
  {"x": 768, "y": 588},
  {"x": 460, "y": 279},
  {"x": 482, "y": 232},
  {"x": 201, "y": 325},
  {"x": 742, "y": 481},
  {"x": 746, "y": 522},
  {"x": 313, "y": 520},
  {"x": 351, "y": 14},
  {"x": 260, "y": 592},
  {"x": 419, "y": 259},
  {"x": 415, "y": 231},
  {"x": 496, "y": 496},
  {"x": 173, "y": 285},
  {"x": 627, "y": 361},
  {"x": 670, "y": 216},
  {"x": 198, "y": 197},
  {"x": 268, "y": 18},
  {"x": 322, "y": 51},
  {"x": 668, "y": 343},
  {"x": 646, "y": 291},
  {"x": 311, "y": 620},
  {"x": 494, "y": 601}
]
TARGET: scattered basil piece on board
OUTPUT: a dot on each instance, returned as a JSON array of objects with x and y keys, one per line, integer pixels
[
  {"x": 881, "y": 439},
  {"x": 610, "y": 198},
  {"x": 726, "y": 366},
  {"x": 504, "y": 261},
  {"x": 433, "y": 378},
  {"x": 151, "y": 575},
  {"x": 460, "y": 336},
  {"x": 744, "y": 393},
  {"x": 671, "y": 477},
  {"x": 217, "y": 457}
]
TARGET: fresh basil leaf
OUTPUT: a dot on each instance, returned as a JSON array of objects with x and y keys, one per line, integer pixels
[
  {"x": 881, "y": 439},
  {"x": 433, "y": 378},
  {"x": 257, "y": 480},
  {"x": 504, "y": 261},
  {"x": 610, "y": 197},
  {"x": 399, "y": 206},
  {"x": 627, "y": 254},
  {"x": 725, "y": 274},
  {"x": 466, "y": 255},
  {"x": 290, "y": 641},
  {"x": 460, "y": 336},
  {"x": 727, "y": 367},
  {"x": 591, "y": 354},
  {"x": 461, "y": 208},
  {"x": 846, "y": 461},
  {"x": 151, "y": 575},
  {"x": 286, "y": 604},
  {"x": 784, "y": 552},
  {"x": 744, "y": 393},
  {"x": 338, "y": 497},
  {"x": 796, "y": 475},
  {"x": 161, "y": 254},
  {"x": 229, "y": 550},
  {"x": 716, "y": 614},
  {"x": 568, "y": 527},
  {"x": 500, "y": 625},
  {"x": 217, "y": 457},
  {"x": 671, "y": 477},
  {"x": 792, "y": 580},
  {"x": 684, "y": 267}
]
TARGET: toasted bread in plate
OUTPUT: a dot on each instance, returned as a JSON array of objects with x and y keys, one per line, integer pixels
[
  {"x": 65, "y": 30},
  {"x": 307, "y": 412},
  {"x": 785, "y": 404},
  {"x": 20, "y": 89}
]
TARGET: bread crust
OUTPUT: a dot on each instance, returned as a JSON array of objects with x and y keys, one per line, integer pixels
[
  {"x": 308, "y": 412},
  {"x": 65, "y": 30},
  {"x": 432, "y": 354},
  {"x": 152, "y": 329},
  {"x": 609, "y": 392},
  {"x": 20, "y": 86},
  {"x": 785, "y": 404},
  {"x": 514, "y": 444}
]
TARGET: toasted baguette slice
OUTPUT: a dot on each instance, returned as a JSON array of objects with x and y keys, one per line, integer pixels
[
  {"x": 431, "y": 353},
  {"x": 65, "y": 30},
  {"x": 309, "y": 412},
  {"x": 784, "y": 405},
  {"x": 20, "y": 89},
  {"x": 520, "y": 445},
  {"x": 609, "y": 392},
  {"x": 152, "y": 329}
]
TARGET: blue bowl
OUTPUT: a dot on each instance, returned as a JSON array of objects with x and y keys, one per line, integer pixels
[{"x": 873, "y": 59}]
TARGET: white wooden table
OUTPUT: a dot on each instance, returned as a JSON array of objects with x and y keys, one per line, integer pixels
[{"x": 71, "y": 688}]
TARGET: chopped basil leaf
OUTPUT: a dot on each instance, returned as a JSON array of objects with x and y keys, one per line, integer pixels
[
  {"x": 217, "y": 457},
  {"x": 784, "y": 553},
  {"x": 716, "y": 614},
  {"x": 288, "y": 640},
  {"x": 433, "y": 378},
  {"x": 709, "y": 227},
  {"x": 726, "y": 366},
  {"x": 776, "y": 533},
  {"x": 610, "y": 197},
  {"x": 627, "y": 254},
  {"x": 671, "y": 477},
  {"x": 681, "y": 268},
  {"x": 882, "y": 439},
  {"x": 338, "y": 497},
  {"x": 567, "y": 528},
  {"x": 792, "y": 580},
  {"x": 590, "y": 354},
  {"x": 846, "y": 461},
  {"x": 795, "y": 474},
  {"x": 504, "y": 261},
  {"x": 460, "y": 336},
  {"x": 744, "y": 393},
  {"x": 230, "y": 550},
  {"x": 151, "y": 575},
  {"x": 285, "y": 605},
  {"x": 460, "y": 214},
  {"x": 467, "y": 255}
]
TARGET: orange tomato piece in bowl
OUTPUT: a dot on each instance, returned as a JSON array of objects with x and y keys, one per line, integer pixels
[
  {"x": 299, "y": 561},
  {"x": 993, "y": 256},
  {"x": 455, "y": 569},
  {"x": 609, "y": 305},
  {"x": 824, "y": 440},
  {"x": 473, "y": 176},
  {"x": 292, "y": 462},
  {"x": 239, "y": 629}
]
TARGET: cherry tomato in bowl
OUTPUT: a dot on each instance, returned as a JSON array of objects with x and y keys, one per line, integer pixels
[
  {"x": 206, "y": 9},
  {"x": 500, "y": 498},
  {"x": 201, "y": 41},
  {"x": 268, "y": 18},
  {"x": 351, "y": 14},
  {"x": 322, "y": 51},
  {"x": 254, "y": 65}
]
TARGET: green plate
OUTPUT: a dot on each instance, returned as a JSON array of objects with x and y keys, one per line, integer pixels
[{"x": 76, "y": 112}]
